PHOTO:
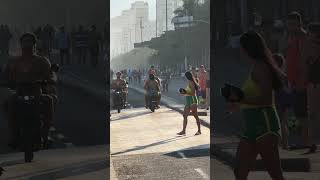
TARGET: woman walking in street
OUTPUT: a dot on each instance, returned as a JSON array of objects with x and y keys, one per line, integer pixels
[
  {"x": 261, "y": 130},
  {"x": 191, "y": 103}
]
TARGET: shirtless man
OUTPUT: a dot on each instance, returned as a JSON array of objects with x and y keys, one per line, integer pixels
[
  {"x": 152, "y": 85},
  {"x": 121, "y": 84},
  {"x": 28, "y": 67}
]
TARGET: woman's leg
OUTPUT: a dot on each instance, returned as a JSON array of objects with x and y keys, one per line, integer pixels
[
  {"x": 267, "y": 146},
  {"x": 207, "y": 98},
  {"x": 284, "y": 129},
  {"x": 194, "y": 110},
  {"x": 185, "y": 120},
  {"x": 245, "y": 159}
]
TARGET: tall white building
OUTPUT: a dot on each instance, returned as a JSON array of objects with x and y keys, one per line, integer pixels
[
  {"x": 166, "y": 8},
  {"x": 133, "y": 26}
]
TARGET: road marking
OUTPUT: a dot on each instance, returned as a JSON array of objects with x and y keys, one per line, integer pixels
[
  {"x": 182, "y": 155},
  {"x": 60, "y": 136},
  {"x": 204, "y": 175}
]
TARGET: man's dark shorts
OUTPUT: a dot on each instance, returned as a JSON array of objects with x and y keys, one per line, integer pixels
[{"x": 300, "y": 103}]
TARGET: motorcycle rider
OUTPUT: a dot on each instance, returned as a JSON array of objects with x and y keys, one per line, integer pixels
[
  {"x": 28, "y": 67},
  {"x": 120, "y": 84},
  {"x": 152, "y": 85}
]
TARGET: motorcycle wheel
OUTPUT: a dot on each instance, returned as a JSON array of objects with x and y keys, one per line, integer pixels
[
  {"x": 152, "y": 108},
  {"x": 28, "y": 156}
]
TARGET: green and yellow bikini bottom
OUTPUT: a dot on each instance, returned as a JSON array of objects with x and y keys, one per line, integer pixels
[{"x": 259, "y": 122}]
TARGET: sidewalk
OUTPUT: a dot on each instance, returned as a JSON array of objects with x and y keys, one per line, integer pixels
[{"x": 175, "y": 104}]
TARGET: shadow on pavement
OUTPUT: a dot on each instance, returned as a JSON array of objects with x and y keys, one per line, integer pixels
[
  {"x": 150, "y": 145},
  {"x": 68, "y": 170},
  {"x": 129, "y": 116},
  {"x": 197, "y": 151}
]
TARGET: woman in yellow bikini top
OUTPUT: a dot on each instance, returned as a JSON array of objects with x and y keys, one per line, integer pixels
[
  {"x": 260, "y": 134},
  {"x": 191, "y": 103}
]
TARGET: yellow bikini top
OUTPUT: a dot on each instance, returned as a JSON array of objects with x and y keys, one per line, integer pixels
[
  {"x": 188, "y": 90},
  {"x": 251, "y": 89}
]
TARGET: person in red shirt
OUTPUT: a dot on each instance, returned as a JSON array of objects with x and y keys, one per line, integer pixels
[
  {"x": 311, "y": 59},
  {"x": 202, "y": 81},
  {"x": 295, "y": 73}
]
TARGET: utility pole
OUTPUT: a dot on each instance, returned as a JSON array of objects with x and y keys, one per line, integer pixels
[
  {"x": 141, "y": 28},
  {"x": 166, "y": 15},
  {"x": 156, "y": 18}
]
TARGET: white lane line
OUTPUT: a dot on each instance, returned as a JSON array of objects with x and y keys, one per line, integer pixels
[
  {"x": 182, "y": 155},
  {"x": 204, "y": 175}
]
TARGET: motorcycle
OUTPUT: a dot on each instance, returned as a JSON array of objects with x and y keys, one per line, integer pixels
[
  {"x": 152, "y": 101},
  {"x": 30, "y": 124},
  {"x": 118, "y": 100}
]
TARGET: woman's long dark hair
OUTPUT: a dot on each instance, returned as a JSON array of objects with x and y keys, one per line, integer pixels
[
  {"x": 253, "y": 43},
  {"x": 190, "y": 77}
]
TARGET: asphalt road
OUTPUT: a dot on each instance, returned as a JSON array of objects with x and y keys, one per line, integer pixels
[
  {"x": 146, "y": 147},
  {"x": 219, "y": 171},
  {"x": 81, "y": 119},
  {"x": 170, "y": 166}
]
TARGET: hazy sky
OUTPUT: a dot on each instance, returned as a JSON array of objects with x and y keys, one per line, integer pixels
[{"x": 117, "y": 6}]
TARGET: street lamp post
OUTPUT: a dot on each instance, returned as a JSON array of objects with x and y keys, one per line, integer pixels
[{"x": 166, "y": 15}]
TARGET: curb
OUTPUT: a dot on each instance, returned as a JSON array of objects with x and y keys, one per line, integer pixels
[
  {"x": 288, "y": 164},
  {"x": 203, "y": 122}
]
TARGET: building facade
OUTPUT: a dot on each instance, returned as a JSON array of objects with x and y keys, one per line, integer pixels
[
  {"x": 165, "y": 13},
  {"x": 133, "y": 26}
]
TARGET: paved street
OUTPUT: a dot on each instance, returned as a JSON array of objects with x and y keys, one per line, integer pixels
[
  {"x": 80, "y": 136},
  {"x": 144, "y": 145},
  {"x": 64, "y": 164},
  {"x": 221, "y": 171}
]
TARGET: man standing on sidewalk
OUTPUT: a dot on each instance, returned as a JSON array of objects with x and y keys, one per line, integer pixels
[
  {"x": 202, "y": 82},
  {"x": 311, "y": 58},
  {"x": 94, "y": 45},
  {"x": 296, "y": 76},
  {"x": 63, "y": 43},
  {"x": 81, "y": 44}
]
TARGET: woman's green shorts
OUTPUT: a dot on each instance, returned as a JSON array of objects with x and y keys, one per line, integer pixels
[
  {"x": 190, "y": 100},
  {"x": 260, "y": 122}
]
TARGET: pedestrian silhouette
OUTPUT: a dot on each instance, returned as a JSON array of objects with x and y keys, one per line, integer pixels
[{"x": 1, "y": 171}]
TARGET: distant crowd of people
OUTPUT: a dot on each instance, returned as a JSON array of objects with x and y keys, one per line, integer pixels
[
  {"x": 5, "y": 37},
  {"x": 77, "y": 46},
  {"x": 201, "y": 75}
]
